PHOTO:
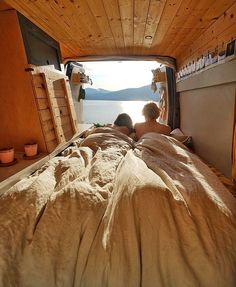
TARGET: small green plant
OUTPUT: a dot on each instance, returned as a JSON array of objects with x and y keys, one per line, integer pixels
[{"x": 97, "y": 125}]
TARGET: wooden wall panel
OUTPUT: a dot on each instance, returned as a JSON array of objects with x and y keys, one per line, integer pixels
[
  {"x": 201, "y": 18},
  {"x": 4, "y": 6},
  {"x": 19, "y": 122},
  {"x": 216, "y": 36}
]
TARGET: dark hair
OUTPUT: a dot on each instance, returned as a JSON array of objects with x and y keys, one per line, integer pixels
[
  {"x": 151, "y": 111},
  {"x": 124, "y": 120}
]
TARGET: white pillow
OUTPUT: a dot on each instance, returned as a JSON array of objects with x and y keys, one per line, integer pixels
[
  {"x": 180, "y": 136},
  {"x": 177, "y": 132}
]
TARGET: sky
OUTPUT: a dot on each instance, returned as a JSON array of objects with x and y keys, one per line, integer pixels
[{"x": 118, "y": 75}]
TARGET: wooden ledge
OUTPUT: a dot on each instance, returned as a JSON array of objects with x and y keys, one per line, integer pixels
[{"x": 12, "y": 174}]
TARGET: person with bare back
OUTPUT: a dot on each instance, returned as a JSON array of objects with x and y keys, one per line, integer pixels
[{"x": 151, "y": 113}]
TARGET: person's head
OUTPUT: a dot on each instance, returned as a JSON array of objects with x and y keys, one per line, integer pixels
[
  {"x": 151, "y": 111},
  {"x": 124, "y": 120}
]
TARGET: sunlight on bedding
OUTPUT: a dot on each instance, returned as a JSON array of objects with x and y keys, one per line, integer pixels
[
  {"x": 108, "y": 212},
  {"x": 200, "y": 177}
]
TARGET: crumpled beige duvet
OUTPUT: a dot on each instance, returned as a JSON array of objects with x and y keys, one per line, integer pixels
[{"x": 108, "y": 213}]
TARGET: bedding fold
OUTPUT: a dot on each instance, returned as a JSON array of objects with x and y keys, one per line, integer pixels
[{"x": 109, "y": 212}]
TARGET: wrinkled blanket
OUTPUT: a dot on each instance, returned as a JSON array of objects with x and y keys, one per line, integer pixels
[{"x": 110, "y": 212}]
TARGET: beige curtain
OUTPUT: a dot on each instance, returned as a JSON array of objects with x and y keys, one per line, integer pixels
[{"x": 163, "y": 105}]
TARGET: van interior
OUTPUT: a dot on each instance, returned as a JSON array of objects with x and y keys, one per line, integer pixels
[{"x": 90, "y": 206}]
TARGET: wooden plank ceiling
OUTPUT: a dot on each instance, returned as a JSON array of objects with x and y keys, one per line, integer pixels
[{"x": 122, "y": 27}]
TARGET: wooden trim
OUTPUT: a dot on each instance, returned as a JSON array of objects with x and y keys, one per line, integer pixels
[
  {"x": 20, "y": 174},
  {"x": 11, "y": 180},
  {"x": 56, "y": 127},
  {"x": 70, "y": 107}
]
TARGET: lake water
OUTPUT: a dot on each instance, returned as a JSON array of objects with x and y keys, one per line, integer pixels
[{"x": 104, "y": 112}]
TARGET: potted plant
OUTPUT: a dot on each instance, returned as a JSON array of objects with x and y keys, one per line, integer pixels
[
  {"x": 7, "y": 155},
  {"x": 31, "y": 149}
]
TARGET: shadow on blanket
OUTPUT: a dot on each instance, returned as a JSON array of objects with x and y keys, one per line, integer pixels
[{"x": 110, "y": 212}]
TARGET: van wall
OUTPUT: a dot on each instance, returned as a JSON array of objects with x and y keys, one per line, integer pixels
[
  {"x": 207, "y": 108},
  {"x": 207, "y": 98}
]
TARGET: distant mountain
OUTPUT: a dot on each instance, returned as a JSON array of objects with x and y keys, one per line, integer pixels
[
  {"x": 132, "y": 94},
  {"x": 91, "y": 91},
  {"x": 103, "y": 91}
]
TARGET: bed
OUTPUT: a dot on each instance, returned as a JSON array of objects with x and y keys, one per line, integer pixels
[{"x": 112, "y": 212}]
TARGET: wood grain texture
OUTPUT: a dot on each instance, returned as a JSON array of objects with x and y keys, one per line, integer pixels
[
  {"x": 19, "y": 117},
  {"x": 12, "y": 174},
  {"x": 56, "y": 108},
  {"x": 130, "y": 27},
  {"x": 153, "y": 20},
  {"x": 127, "y": 22},
  {"x": 4, "y": 6},
  {"x": 70, "y": 106},
  {"x": 216, "y": 36}
]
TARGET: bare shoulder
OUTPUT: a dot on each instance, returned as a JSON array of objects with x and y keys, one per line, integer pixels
[
  {"x": 166, "y": 129},
  {"x": 138, "y": 125}
]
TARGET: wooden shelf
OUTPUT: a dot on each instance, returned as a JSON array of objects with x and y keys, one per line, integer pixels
[
  {"x": 214, "y": 75},
  {"x": 12, "y": 174},
  {"x": 227, "y": 59}
]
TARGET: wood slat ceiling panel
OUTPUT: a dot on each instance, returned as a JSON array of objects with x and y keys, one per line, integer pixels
[
  {"x": 141, "y": 8},
  {"x": 170, "y": 10},
  {"x": 127, "y": 22},
  {"x": 99, "y": 12},
  {"x": 113, "y": 15},
  {"x": 120, "y": 27},
  {"x": 183, "y": 24},
  {"x": 72, "y": 12},
  {"x": 153, "y": 19}
]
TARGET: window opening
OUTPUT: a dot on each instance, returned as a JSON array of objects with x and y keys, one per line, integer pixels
[{"x": 104, "y": 89}]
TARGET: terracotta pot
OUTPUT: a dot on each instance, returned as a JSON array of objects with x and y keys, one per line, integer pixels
[
  {"x": 31, "y": 149},
  {"x": 7, "y": 155}
]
